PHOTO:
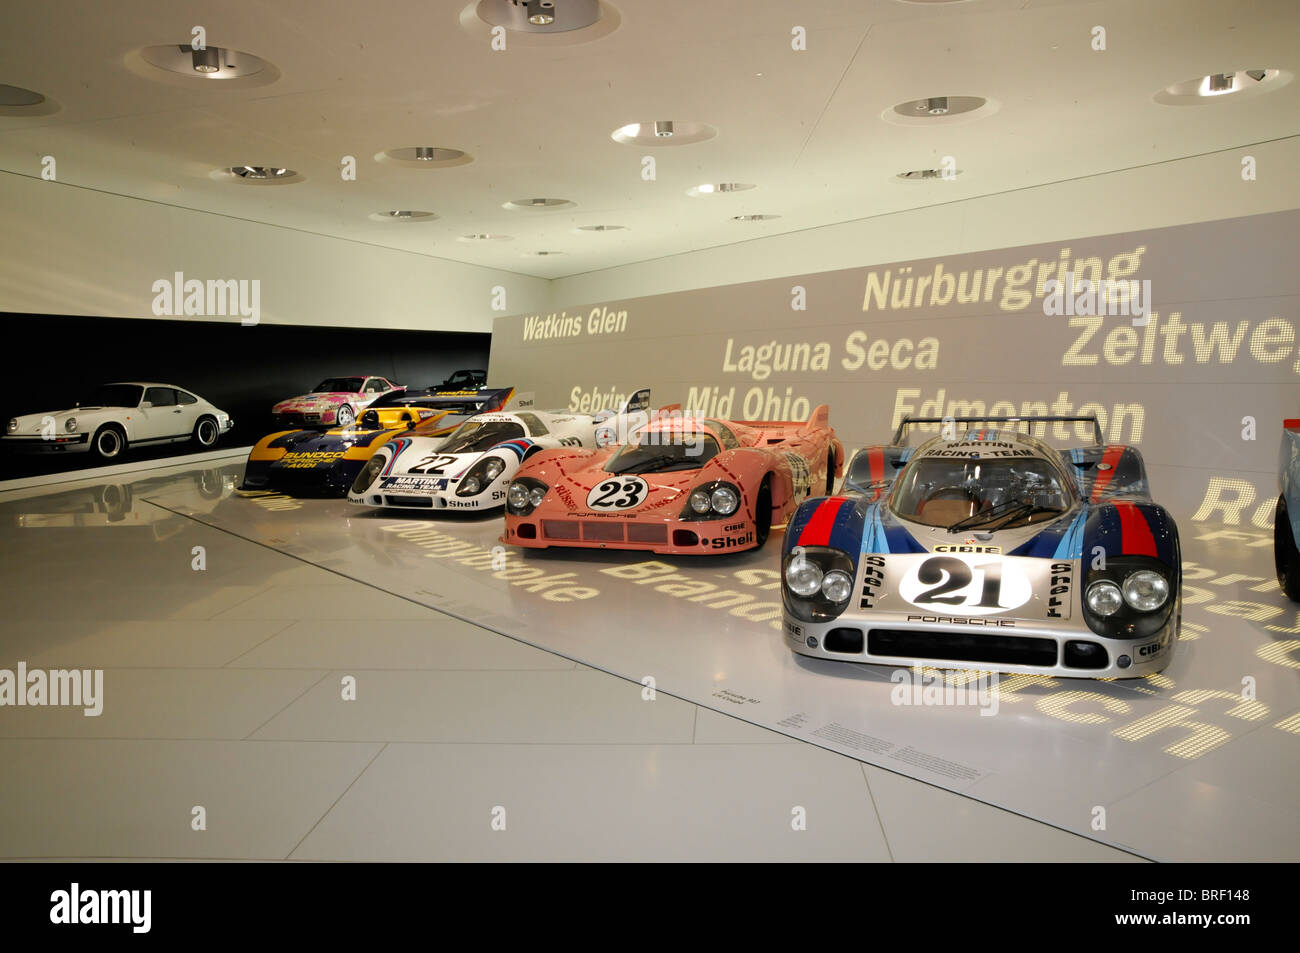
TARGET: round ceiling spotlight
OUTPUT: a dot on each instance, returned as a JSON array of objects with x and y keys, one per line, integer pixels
[
  {"x": 663, "y": 132},
  {"x": 753, "y": 218},
  {"x": 259, "y": 175},
  {"x": 939, "y": 109},
  {"x": 541, "y": 22},
  {"x": 540, "y": 254},
  {"x": 718, "y": 188},
  {"x": 515, "y": 205},
  {"x": 927, "y": 175},
  {"x": 601, "y": 228},
  {"x": 403, "y": 215},
  {"x": 1217, "y": 87},
  {"x": 486, "y": 237},
  {"x": 424, "y": 157},
  {"x": 181, "y": 64},
  {"x": 18, "y": 101}
]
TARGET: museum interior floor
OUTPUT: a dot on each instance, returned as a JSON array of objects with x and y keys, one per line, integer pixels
[{"x": 230, "y": 659}]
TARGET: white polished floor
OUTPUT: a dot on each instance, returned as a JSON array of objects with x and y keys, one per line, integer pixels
[{"x": 223, "y": 689}]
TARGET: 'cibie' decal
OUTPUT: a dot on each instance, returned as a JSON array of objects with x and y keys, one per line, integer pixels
[
  {"x": 618, "y": 493},
  {"x": 976, "y": 584}
]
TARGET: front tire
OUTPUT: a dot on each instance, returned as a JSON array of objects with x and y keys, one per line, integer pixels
[
  {"x": 345, "y": 416},
  {"x": 1285, "y": 555},
  {"x": 109, "y": 442},
  {"x": 206, "y": 432},
  {"x": 763, "y": 513}
]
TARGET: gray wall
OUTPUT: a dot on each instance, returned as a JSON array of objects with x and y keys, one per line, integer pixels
[{"x": 1221, "y": 345}]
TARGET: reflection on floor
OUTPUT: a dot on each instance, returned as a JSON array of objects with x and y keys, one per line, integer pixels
[{"x": 224, "y": 709}]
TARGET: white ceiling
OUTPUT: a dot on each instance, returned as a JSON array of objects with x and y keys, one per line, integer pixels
[{"x": 361, "y": 77}]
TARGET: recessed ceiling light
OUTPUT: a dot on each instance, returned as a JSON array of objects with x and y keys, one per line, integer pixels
[
  {"x": 259, "y": 175},
  {"x": 939, "y": 106},
  {"x": 486, "y": 237},
  {"x": 423, "y": 157},
  {"x": 181, "y": 63},
  {"x": 541, "y": 12},
  {"x": 1217, "y": 87},
  {"x": 927, "y": 175},
  {"x": 404, "y": 215},
  {"x": 261, "y": 172},
  {"x": 18, "y": 101},
  {"x": 663, "y": 132},
  {"x": 542, "y": 21},
  {"x": 540, "y": 254},
  {"x": 718, "y": 188},
  {"x": 601, "y": 228},
  {"x": 753, "y": 218},
  {"x": 536, "y": 204}
]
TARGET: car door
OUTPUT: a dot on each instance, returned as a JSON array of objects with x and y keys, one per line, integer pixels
[{"x": 161, "y": 418}]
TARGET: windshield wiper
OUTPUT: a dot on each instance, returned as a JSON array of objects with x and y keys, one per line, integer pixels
[{"x": 1009, "y": 510}]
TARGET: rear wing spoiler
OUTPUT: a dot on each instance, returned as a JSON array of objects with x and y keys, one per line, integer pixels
[{"x": 909, "y": 421}]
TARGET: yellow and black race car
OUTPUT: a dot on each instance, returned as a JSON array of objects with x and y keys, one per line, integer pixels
[{"x": 312, "y": 462}]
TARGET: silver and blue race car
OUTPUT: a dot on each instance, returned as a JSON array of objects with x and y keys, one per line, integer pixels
[{"x": 987, "y": 548}]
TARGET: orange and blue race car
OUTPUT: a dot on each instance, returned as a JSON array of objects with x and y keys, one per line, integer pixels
[{"x": 325, "y": 463}]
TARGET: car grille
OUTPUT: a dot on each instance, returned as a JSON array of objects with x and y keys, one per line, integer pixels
[
  {"x": 962, "y": 646},
  {"x": 425, "y": 502},
  {"x": 604, "y": 531}
]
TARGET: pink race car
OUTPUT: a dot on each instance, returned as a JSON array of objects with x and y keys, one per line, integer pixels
[
  {"x": 680, "y": 485},
  {"x": 334, "y": 402}
]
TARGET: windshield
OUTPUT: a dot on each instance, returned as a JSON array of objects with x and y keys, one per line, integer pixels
[
  {"x": 475, "y": 436},
  {"x": 987, "y": 493},
  {"x": 655, "y": 452},
  {"x": 113, "y": 395},
  {"x": 339, "y": 385}
]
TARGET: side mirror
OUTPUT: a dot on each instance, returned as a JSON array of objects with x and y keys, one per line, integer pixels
[{"x": 145, "y": 405}]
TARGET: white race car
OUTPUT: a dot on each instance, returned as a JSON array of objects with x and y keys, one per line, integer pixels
[
  {"x": 115, "y": 416},
  {"x": 471, "y": 468}
]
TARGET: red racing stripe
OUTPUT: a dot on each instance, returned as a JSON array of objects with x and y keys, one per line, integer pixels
[
  {"x": 817, "y": 531},
  {"x": 876, "y": 461},
  {"x": 1135, "y": 538},
  {"x": 1111, "y": 457}
]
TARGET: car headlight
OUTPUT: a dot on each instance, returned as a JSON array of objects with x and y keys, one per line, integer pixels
[
  {"x": 818, "y": 582},
  {"x": 481, "y": 475},
  {"x": 1146, "y": 590},
  {"x": 1104, "y": 598},
  {"x": 803, "y": 576},
  {"x": 1131, "y": 597},
  {"x": 525, "y": 495},
  {"x": 13, "y": 425},
  {"x": 724, "y": 499},
  {"x": 836, "y": 585},
  {"x": 711, "y": 501},
  {"x": 369, "y": 473},
  {"x": 70, "y": 425}
]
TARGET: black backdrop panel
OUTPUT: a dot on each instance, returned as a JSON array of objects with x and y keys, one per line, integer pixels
[{"x": 53, "y": 359}]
